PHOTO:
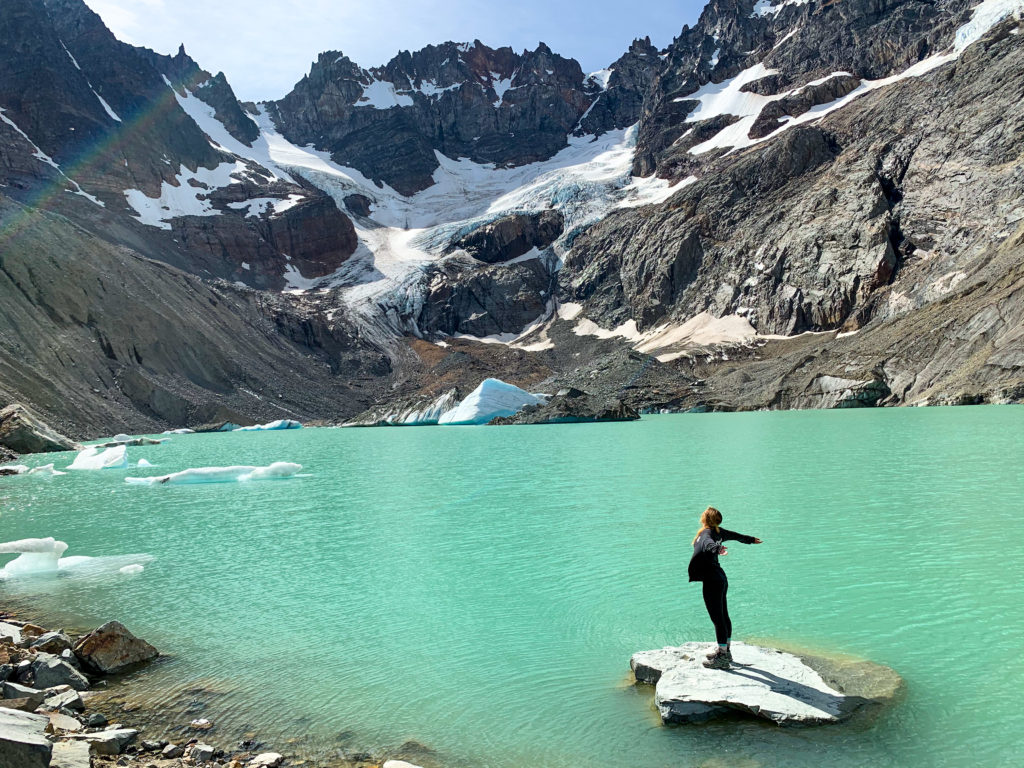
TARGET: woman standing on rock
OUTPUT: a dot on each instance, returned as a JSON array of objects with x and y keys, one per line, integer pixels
[{"x": 707, "y": 546}]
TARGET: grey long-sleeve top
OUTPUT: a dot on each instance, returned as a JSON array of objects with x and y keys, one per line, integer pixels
[{"x": 704, "y": 563}]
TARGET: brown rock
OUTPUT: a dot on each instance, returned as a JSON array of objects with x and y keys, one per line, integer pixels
[{"x": 112, "y": 648}]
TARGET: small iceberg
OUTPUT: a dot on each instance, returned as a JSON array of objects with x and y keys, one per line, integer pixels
[
  {"x": 109, "y": 458},
  {"x": 131, "y": 569},
  {"x": 46, "y": 470},
  {"x": 46, "y": 556},
  {"x": 182, "y": 431},
  {"x": 143, "y": 463},
  {"x": 34, "y": 555},
  {"x": 492, "y": 399},
  {"x": 272, "y": 426},
  {"x": 276, "y": 471}
]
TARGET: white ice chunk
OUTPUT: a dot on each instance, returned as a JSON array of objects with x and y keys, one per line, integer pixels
[
  {"x": 183, "y": 430},
  {"x": 272, "y": 426},
  {"x": 491, "y": 400},
  {"x": 34, "y": 555},
  {"x": 132, "y": 569},
  {"x": 143, "y": 463},
  {"x": 93, "y": 458},
  {"x": 276, "y": 471},
  {"x": 18, "y": 469},
  {"x": 46, "y": 470}
]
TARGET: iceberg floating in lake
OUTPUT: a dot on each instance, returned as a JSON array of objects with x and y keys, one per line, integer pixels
[
  {"x": 272, "y": 426},
  {"x": 13, "y": 469},
  {"x": 276, "y": 471},
  {"x": 143, "y": 463},
  {"x": 491, "y": 400},
  {"x": 182, "y": 431},
  {"x": 46, "y": 556},
  {"x": 109, "y": 458},
  {"x": 34, "y": 555},
  {"x": 47, "y": 470}
]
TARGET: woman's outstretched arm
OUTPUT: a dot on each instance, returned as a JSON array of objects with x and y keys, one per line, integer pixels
[{"x": 733, "y": 536}]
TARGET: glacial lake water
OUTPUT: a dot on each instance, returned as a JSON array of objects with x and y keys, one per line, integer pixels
[{"x": 479, "y": 590}]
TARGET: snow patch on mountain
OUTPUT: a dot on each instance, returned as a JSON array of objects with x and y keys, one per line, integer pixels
[
  {"x": 380, "y": 94},
  {"x": 189, "y": 196}
]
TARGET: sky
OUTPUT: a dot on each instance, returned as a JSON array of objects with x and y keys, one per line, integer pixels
[{"x": 265, "y": 47}]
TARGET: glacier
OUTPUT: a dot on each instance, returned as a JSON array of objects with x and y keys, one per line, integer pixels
[
  {"x": 93, "y": 458},
  {"x": 203, "y": 475},
  {"x": 271, "y": 427},
  {"x": 491, "y": 400}
]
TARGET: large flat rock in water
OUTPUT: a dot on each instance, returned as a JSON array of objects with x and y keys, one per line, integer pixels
[{"x": 763, "y": 682}]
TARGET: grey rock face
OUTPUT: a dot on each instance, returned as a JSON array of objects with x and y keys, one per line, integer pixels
[
  {"x": 201, "y": 753},
  {"x": 66, "y": 699},
  {"x": 490, "y": 105},
  {"x": 460, "y": 297},
  {"x": 511, "y": 236},
  {"x": 17, "y": 691},
  {"x": 22, "y": 740},
  {"x": 763, "y": 682},
  {"x": 111, "y": 742},
  {"x": 572, "y": 406},
  {"x": 48, "y": 671},
  {"x": 70, "y": 754},
  {"x": 24, "y": 432},
  {"x": 52, "y": 642}
]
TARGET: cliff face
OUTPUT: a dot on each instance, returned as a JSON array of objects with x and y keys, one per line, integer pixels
[
  {"x": 488, "y": 105},
  {"x": 802, "y": 204}
]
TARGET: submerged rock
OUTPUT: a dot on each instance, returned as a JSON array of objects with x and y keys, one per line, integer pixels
[
  {"x": 23, "y": 742},
  {"x": 24, "y": 432},
  {"x": 112, "y": 648},
  {"x": 763, "y": 682}
]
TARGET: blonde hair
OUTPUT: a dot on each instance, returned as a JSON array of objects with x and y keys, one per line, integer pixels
[{"x": 710, "y": 518}]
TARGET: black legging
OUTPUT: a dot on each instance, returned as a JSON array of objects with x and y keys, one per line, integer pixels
[{"x": 718, "y": 608}]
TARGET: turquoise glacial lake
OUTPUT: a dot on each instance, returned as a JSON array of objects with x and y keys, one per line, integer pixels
[{"x": 479, "y": 590}]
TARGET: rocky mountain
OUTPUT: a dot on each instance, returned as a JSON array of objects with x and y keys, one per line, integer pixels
[
  {"x": 796, "y": 204},
  {"x": 488, "y": 105}
]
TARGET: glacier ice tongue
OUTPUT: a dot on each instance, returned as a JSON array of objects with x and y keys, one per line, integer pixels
[
  {"x": 202, "y": 475},
  {"x": 272, "y": 426},
  {"x": 93, "y": 458},
  {"x": 492, "y": 399}
]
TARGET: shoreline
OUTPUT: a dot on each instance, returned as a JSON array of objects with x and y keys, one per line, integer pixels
[{"x": 149, "y": 735}]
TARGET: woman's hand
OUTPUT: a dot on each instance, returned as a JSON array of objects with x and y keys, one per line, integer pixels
[
  {"x": 757, "y": 540},
  {"x": 723, "y": 550}
]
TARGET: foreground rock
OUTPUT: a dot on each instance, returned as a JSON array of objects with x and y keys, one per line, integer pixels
[
  {"x": 23, "y": 432},
  {"x": 109, "y": 742},
  {"x": 763, "y": 682},
  {"x": 572, "y": 406},
  {"x": 23, "y": 741},
  {"x": 112, "y": 648}
]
